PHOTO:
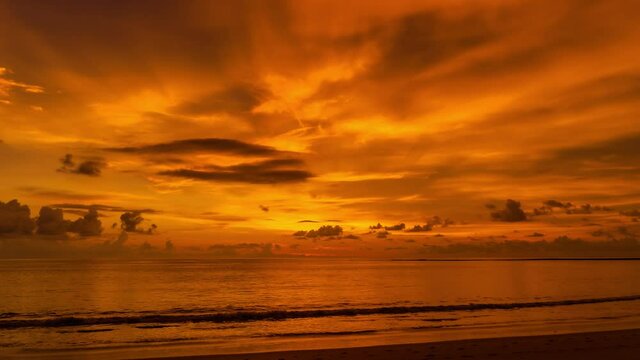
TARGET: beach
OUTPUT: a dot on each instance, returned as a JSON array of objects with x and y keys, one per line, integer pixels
[{"x": 621, "y": 344}]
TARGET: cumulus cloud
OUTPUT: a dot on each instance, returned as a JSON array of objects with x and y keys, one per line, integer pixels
[
  {"x": 556, "y": 204},
  {"x": 129, "y": 221},
  {"x": 51, "y": 221},
  {"x": 322, "y": 231},
  {"x": 15, "y": 218},
  {"x": 272, "y": 171},
  {"x": 421, "y": 228},
  {"x": 511, "y": 213},
  {"x": 397, "y": 227},
  {"x": 90, "y": 167},
  {"x": 88, "y": 225}
]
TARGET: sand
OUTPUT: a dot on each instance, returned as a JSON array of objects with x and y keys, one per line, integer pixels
[{"x": 609, "y": 345}]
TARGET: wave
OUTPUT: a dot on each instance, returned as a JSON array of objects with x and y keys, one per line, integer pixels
[
  {"x": 279, "y": 315},
  {"x": 321, "y": 333}
]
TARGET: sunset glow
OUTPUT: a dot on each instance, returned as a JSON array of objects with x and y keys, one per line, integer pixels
[{"x": 244, "y": 122}]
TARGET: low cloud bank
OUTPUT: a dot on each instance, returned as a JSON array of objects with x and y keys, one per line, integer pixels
[{"x": 563, "y": 246}]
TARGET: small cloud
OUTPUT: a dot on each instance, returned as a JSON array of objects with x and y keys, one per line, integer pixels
[
  {"x": 556, "y": 204},
  {"x": 91, "y": 167},
  {"x": 263, "y": 208},
  {"x": 511, "y": 213},
  {"x": 421, "y": 228},
  {"x": 397, "y": 227},
  {"x": 322, "y": 231},
  {"x": 130, "y": 221},
  {"x": 378, "y": 226},
  {"x": 536, "y": 234}
]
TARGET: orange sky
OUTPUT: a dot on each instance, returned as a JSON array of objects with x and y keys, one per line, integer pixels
[{"x": 236, "y": 120}]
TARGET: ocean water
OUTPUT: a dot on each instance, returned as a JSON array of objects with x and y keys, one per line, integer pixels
[{"x": 115, "y": 308}]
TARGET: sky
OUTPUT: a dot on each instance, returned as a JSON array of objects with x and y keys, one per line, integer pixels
[{"x": 228, "y": 126}]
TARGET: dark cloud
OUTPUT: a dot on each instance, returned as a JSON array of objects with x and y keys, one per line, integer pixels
[
  {"x": 421, "y": 228},
  {"x": 58, "y": 194},
  {"x": 556, "y": 204},
  {"x": 272, "y": 171},
  {"x": 15, "y": 218},
  {"x": 130, "y": 220},
  {"x": 235, "y": 99},
  {"x": 101, "y": 207},
  {"x": 397, "y": 227},
  {"x": 511, "y": 213},
  {"x": 563, "y": 246},
  {"x": 263, "y": 208},
  {"x": 51, "y": 221},
  {"x": 205, "y": 145},
  {"x": 322, "y": 231},
  {"x": 91, "y": 167},
  {"x": 88, "y": 225}
]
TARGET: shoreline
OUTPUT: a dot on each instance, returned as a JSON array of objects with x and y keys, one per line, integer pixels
[{"x": 615, "y": 344}]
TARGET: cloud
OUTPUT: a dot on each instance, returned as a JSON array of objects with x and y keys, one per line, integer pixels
[
  {"x": 15, "y": 218},
  {"x": 397, "y": 227},
  {"x": 235, "y": 99},
  {"x": 88, "y": 225},
  {"x": 556, "y": 204},
  {"x": 130, "y": 221},
  {"x": 51, "y": 221},
  {"x": 322, "y": 231},
  {"x": 426, "y": 39},
  {"x": 272, "y": 171},
  {"x": 421, "y": 228},
  {"x": 92, "y": 167},
  {"x": 101, "y": 207},
  {"x": 511, "y": 213},
  {"x": 560, "y": 247},
  {"x": 205, "y": 145},
  {"x": 263, "y": 208},
  {"x": 7, "y": 85}
]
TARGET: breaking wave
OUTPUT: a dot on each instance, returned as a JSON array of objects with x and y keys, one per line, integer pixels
[{"x": 278, "y": 315}]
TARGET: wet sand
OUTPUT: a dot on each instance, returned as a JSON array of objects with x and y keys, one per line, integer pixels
[{"x": 623, "y": 344}]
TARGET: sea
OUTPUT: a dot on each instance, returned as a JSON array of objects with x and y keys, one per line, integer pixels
[{"x": 159, "y": 307}]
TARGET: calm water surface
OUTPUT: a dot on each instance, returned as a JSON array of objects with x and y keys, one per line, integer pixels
[{"x": 246, "y": 305}]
